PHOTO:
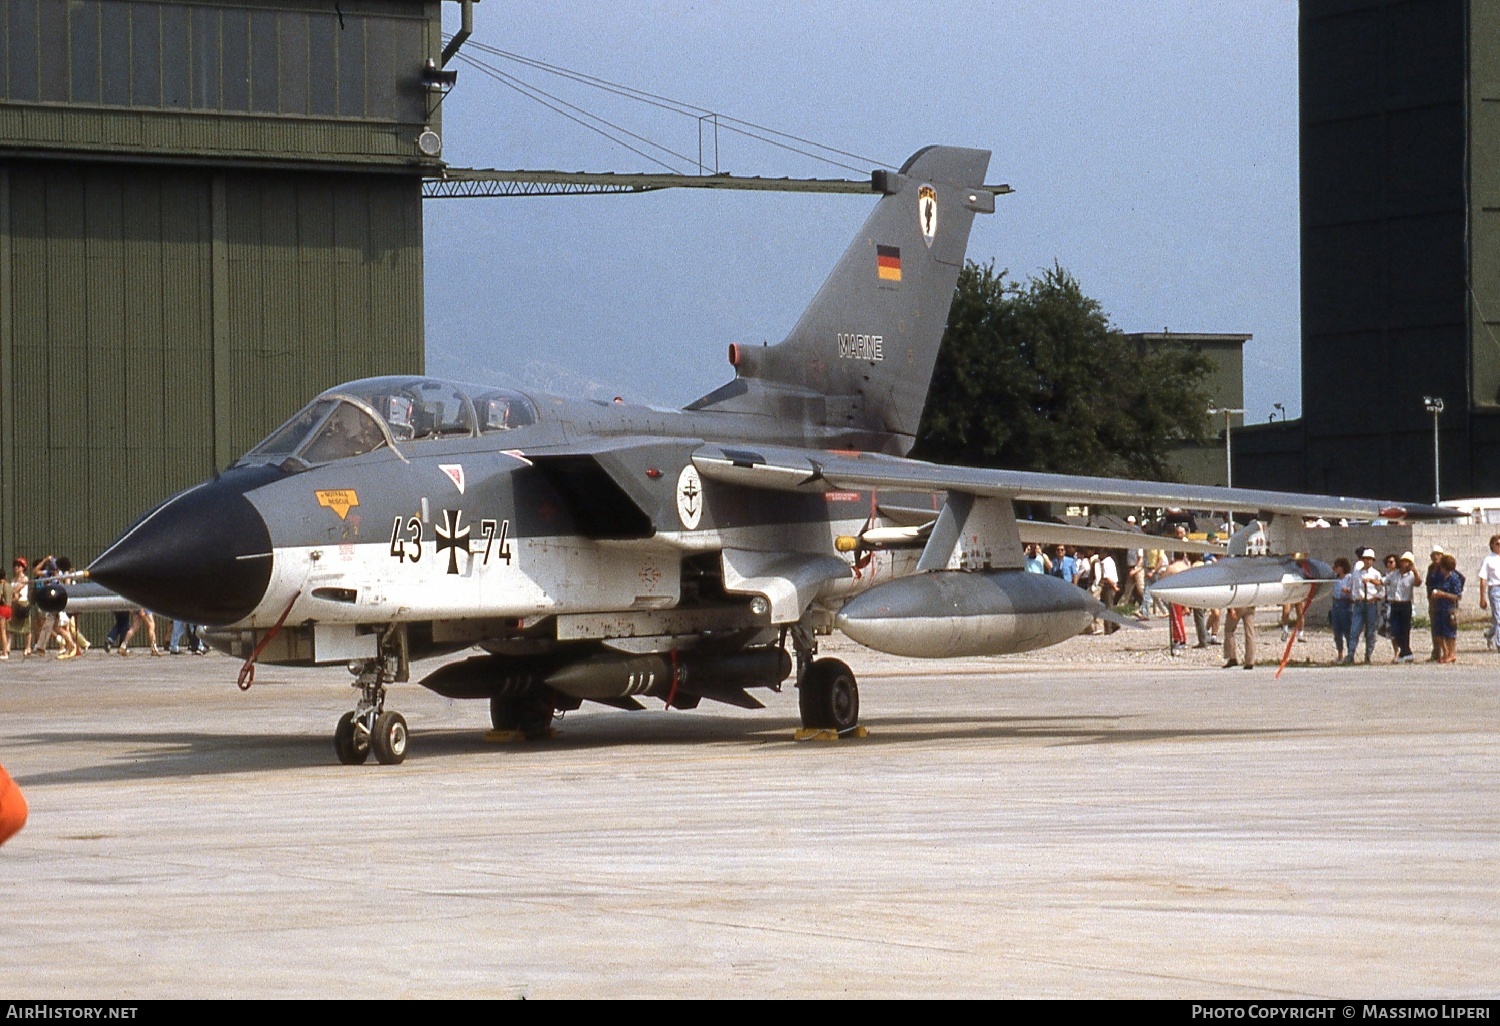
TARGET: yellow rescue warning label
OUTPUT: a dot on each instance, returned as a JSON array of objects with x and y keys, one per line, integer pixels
[{"x": 338, "y": 499}]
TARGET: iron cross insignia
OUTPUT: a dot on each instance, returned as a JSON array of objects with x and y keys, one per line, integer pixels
[{"x": 451, "y": 538}]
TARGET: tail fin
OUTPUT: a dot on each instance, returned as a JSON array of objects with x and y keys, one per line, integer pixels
[{"x": 868, "y": 341}]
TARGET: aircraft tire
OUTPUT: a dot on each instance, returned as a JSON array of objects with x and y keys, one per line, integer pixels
[
  {"x": 534, "y": 715},
  {"x": 352, "y": 746},
  {"x": 828, "y": 696},
  {"x": 506, "y": 712},
  {"x": 389, "y": 739},
  {"x": 529, "y": 714}
]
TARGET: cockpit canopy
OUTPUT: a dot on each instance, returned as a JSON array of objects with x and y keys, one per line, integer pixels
[{"x": 361, "y": 416}]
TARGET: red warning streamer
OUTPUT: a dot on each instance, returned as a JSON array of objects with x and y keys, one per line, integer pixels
[
  {"x": 1297, "y": 626},
  {"x": 247, "y": 672}
]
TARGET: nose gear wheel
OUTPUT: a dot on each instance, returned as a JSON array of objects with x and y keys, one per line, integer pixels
[
  {"x": 351, "y": 740},
  {"x": 388, "y": 741}
]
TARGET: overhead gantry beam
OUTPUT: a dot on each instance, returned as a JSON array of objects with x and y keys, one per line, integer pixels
[{"x": 464, "y": 183}]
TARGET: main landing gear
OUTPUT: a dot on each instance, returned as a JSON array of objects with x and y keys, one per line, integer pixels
[
  {"x": 828, "y": 697},
  {"x": 528, "y": 714},
  {"x": 369, "y": 727},
  {"x": 827, "y": 693}
]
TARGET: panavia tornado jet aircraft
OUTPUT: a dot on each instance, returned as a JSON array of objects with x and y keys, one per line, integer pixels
[{"x": 607, "y": 552}]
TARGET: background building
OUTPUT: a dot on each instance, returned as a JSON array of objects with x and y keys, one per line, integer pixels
[
  {"x": 1225, "y": 386},
  {"x": 1400, "y": 115},
  {"x": 208, "y": 210}
]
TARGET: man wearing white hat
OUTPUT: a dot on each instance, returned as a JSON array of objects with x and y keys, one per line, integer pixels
[{"x": 1364, "y": 608}]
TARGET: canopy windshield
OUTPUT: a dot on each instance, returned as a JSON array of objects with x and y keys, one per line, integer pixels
[
  {"x": 361, "y": 416},
  {"x": 328, "y": 428}
]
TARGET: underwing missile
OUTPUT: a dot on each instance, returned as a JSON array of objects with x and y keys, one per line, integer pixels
[
  {"x": 609, "y": 675},
  {"x": 1243, "y": 581},
  {"x": 488, "y": 676}
]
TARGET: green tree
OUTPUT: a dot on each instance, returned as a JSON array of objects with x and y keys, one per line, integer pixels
[{"x": 1034, "y": 377}]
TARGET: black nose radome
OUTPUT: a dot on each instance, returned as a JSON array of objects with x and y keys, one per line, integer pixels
[{"x": 203, "y": 556}]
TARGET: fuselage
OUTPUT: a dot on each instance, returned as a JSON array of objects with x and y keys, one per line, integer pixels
[{"x": 373, "y": 507}]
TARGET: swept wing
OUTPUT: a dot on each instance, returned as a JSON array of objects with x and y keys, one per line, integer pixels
[{"x": 805, "y": 470}]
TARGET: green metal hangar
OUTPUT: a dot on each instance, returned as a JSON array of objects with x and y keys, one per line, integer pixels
[{"x": 208, "y": 211}]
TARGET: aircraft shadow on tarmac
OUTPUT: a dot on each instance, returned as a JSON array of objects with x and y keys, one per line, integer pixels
[
  {"x": 138, "y": 756},
  {"x": 1063, "y": 730},
  {"x": 616, "y": 729}
]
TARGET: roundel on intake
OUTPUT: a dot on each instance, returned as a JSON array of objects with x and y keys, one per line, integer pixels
[{"x": 689, "y": 497}]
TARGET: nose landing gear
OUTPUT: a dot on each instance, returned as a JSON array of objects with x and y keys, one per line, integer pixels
[{"x": 370, "y": 727}]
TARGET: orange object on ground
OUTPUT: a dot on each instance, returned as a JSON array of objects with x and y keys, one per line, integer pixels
[{"x": 12, "y": 807}]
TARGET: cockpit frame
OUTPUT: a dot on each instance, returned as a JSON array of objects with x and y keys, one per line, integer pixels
[{"x": 392, "y": 411}]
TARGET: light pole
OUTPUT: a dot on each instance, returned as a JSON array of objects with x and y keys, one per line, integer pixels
[
  {"x": 1435, "y": 407},
  {"x": 1228, "y": 452}
]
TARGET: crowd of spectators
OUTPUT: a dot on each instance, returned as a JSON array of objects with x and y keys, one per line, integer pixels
[
  {"x": 1368, "y": 601},
  {"x": 27, "y": 625}
]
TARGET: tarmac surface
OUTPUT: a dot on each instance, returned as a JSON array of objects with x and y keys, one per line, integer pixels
[{"x": 1095, "y": 820}]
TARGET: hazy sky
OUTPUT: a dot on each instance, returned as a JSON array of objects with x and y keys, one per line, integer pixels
[{"x": 1152, "y": 146}]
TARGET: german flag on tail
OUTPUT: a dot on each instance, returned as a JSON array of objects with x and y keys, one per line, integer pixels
[{"x": 888, "y": 262}]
